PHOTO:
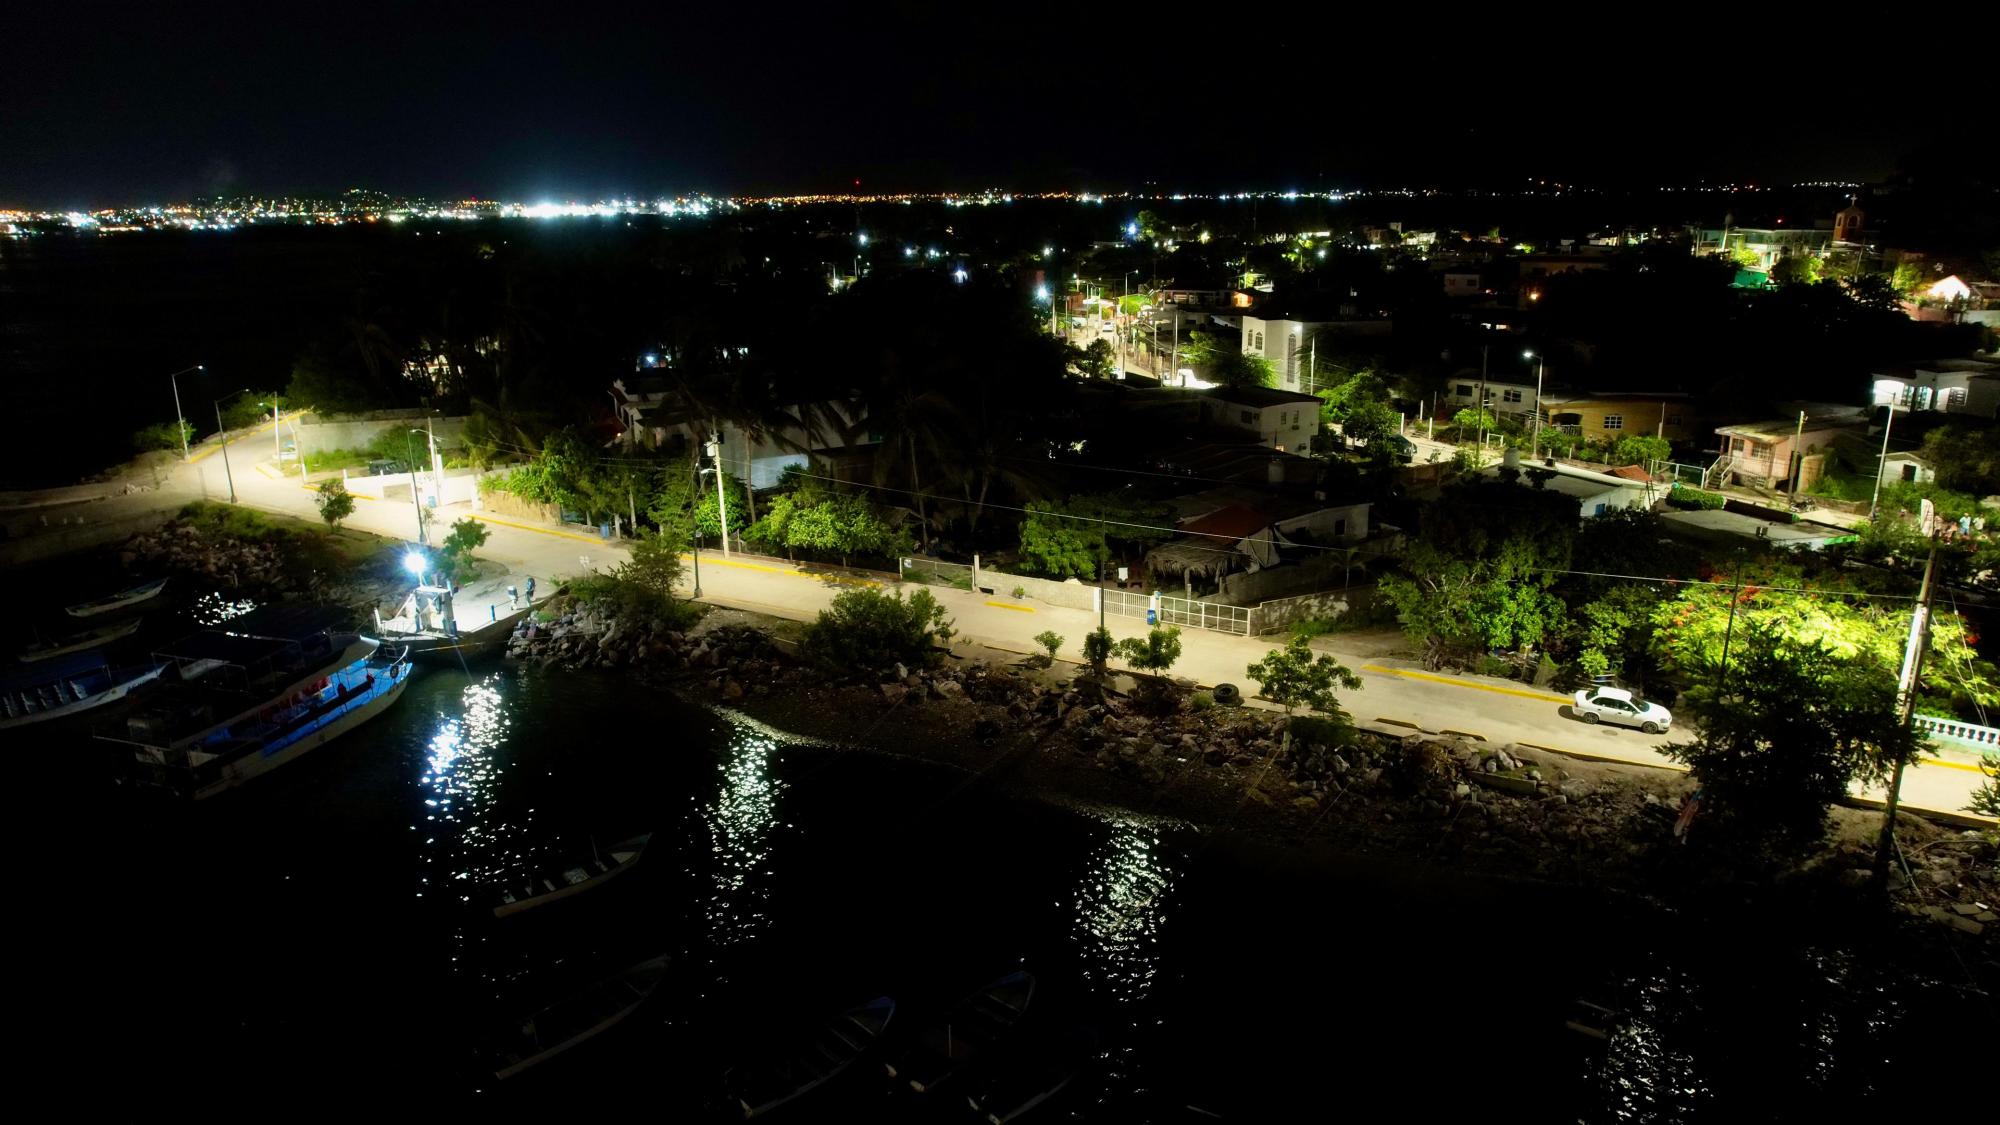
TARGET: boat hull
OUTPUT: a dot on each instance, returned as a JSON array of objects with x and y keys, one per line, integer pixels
[
  {"x": 253, "y": 766},
  {"x": 133, "y": 596},
  {"x": 115, "y": 692},
  {"x": 477, "y": 644},
  {"x": 86, "y": 641},
  {"x": 633, "y": 850}
]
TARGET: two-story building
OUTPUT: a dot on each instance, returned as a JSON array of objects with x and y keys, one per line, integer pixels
[
  {"x": 1286, "y": 330},
  {"x": 654, "y": 417},
  {"x": 1462, "y": 391},
  {"x": 1955, "y": 386},
  {"x": 1282, "y": 420}
]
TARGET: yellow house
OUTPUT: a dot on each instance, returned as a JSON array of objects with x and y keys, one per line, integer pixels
[{"x": 1608, "y": 417}]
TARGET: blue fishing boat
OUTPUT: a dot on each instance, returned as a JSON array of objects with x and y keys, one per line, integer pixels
[
  {"x": 69, "y": 687},
  {"x": 272, "y": 686}
]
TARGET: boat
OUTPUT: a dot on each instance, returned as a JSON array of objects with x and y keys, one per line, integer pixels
[
  {"x": 973, "y": 1027},
  {"x": 1033, "y": 1077},
  {"x": 831, "y": 1049},
  {"x": 70, "y": 687},
  {"x": 427, "y": 623},
  {"x": 566, "y": 1023},
  {"x": 274, "y": 685},
  {"x": 145, "y": 591},
  {"x": 78, "y": 642},
  {"x": 550, "y": 886}
]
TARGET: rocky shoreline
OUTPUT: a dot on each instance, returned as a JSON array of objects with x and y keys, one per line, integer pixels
[{"x": 1504, "y": 811}]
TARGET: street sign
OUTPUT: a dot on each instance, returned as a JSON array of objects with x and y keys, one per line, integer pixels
[{"x": 1928, "y": 518}]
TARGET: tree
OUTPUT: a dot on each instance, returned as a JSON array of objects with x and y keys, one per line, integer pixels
[
  {"x": 1986, "y": 798},
  {"x": 1639, "y": 449},
  {"x": 466, "y": 536},
  {"x": 866, "y": 630},
  {"x": 1794, "y": 726},
  {"x": 335, "y": 502},
  {"x": 691, "y": 508},
  {"x": 1241, "y": 370},
  {"x": 163, "y": 435},
  {"x": 1155, "y": 652},
  {"x": 1470, "y": 420},
  {"x": 1293, "y": 677},
  {"x": 655, "y": 563},
  {"x": 1097, "y": 361},
  {"x": 1097, "y": 648},
  {"x": 1072, "y": 539},
  {"x": 841, "y": 524},
  {"x": 1051, "y": 641}
]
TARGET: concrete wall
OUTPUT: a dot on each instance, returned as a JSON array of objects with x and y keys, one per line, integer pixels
[
  {"x": 1070, "y": 594},
  {"x": 1327, "y": 568},
  {"x": 1278, "y": 616},
  {"x": 354, "y": 431},
  {"x": 513, "y": 507}
]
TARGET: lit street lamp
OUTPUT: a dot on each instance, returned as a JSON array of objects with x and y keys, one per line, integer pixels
[
  {"x": 178, "y": 416},
  {"x": 226, "y": 474},
  {"x": 416, "y": 564}
]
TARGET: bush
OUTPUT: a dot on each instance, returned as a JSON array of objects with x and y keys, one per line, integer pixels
[
  {"x": 655, "y": 563},
  {"x": 467, "y": 534},
  {"x": 1020, "y": 592},
  {"x": 1155, "y": 652},
  {"x": 162, "y": 435},
  {"x": 1097, "y": 648},
  {"x": 1681, "y": 496},
  {"x": 1050, "y": 640},
  {"x": 866, "y": 630},
  {"x": 632, "y": 603},
  {"x": 1322, "y": 730},
  {"x": 335, "y": 503},
  {"x": 1201, "y": 701}
]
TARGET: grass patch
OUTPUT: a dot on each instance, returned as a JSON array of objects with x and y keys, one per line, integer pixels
[{"x": 312, "y": 541}]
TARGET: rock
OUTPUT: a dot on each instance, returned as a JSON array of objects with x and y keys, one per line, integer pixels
[
  {"x": 949, "y": 689},
  {"x": 1986, "y": 916},
  {"x": 1339, "y": 764},
  {"x": 1576, "y": 789},
  {"x": 902, "y": 673},
  {"x": 1856, "y": 877},
  {"x": 1461, "y": 790},
  {"x": 1966, "y": 908},
  {"x": 894, "y": 693},
  {"x": 1969, "y": 926},
  {"x": 1944, "y": 878},
  {"x": 1373, "y": 775},
  {"x": 1305, "y": 802},
  {"x": 1490, "y": 765},
  {"x": 731, "y": 691},
  {"x": 1534, "y": 774}
]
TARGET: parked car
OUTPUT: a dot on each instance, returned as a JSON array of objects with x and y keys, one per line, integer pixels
[{"x": 1616, "y": 705}]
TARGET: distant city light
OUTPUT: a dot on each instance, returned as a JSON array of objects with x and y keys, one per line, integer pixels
[
  {"x": 862, "y": 238},
  {"x": 1048, "y": 251}
]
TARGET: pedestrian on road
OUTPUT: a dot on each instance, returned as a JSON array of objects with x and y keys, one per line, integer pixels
[{"x": 531, "y": 589}]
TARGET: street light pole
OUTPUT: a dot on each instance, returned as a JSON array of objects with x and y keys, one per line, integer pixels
[
  {"x": 1540, "y": 363},
  {"x": 175, "y": 378},
  {"x": 1881, "y": 462},
  {"x": 416, "y": 497},
  {"x": 721, "y": 492},
  {"x": 226, "y": 474},
  {"x": 1798, "y": 466}
]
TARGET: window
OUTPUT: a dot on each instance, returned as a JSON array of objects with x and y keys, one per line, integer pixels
[
  {"x": 1761, "y": 450},
  {"x": 1614, "y": 421},
  {"x": 1340, "y": 527},
  {"x": 1249, "y": 418},
  {"x": 1601, "y": 509},
  {"x": 1910, "y": 473},
  {"x": 1260, "y": 342},
  {"x": 1673, "y": 419},
  {"x": 1464, "y": 390},
  {"x": 1954, "y": 399},
  {"x": 1510, "y": 396}
]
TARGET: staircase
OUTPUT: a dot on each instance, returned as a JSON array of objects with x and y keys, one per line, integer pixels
[{"x": 1718, "y": 472}]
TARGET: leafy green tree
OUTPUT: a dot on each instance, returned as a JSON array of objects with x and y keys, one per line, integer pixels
[
  {"x": 839, "y": 524},
  {"x": 1795, "y": 725},
  {"x": 866, "y": 630},
  {"x": 1615, "y": 626},
  {"x": 655, "y": 563},
  {"x": 335, "y": 502},
  {"x": 1479, "y": 577},
  {"x": 1470, "y": 420},
  {"x": 1097, "y": 648},
  {"x": 691, "y": 508},
  {"x": 466, "y": 536},
  {"x": 1155, "y": 652},
  {"x": 1986, "y": 798},
  {"x": 1240, "y": 370},
  {"x": 1071, "y": 539},
  {"x": 1051, "y": 642},
  {"x": 1294, "y": 677},
  {"x": 163, "y": 435},
  {"x": 1097, "y": 361},
  {"x": 1639, "y": 449},
  {"x": 1966, "y": 460}
]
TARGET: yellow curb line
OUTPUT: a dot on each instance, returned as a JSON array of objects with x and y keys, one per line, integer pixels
[
  {"x": 1967, "y": 766},
  {"x": 542, "y": 530},
  {"x": 791, "y": 572},
  {"x": 1662, "y": 765},
  {"x": 1543, "y": 696},
  {"x": 1015, "y": 608}
]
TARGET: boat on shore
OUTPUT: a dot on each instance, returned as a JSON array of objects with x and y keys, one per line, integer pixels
[
  {"x": 276, "y": 684},
  {"x": 428, "y": 625},
  {"x": 832, "y": 1048},
  {"x": 79, "y": 642},
  {"x": 71, "y": 687},
  {"x": 566, "y": 1023},
  {"x": 143, "y": 592},
  {"x": 974, "y": 1027},
  {"x": 555, "y": 885}
]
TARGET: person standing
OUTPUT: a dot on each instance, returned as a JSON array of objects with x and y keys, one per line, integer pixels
[{"x": 531, "y": 589}]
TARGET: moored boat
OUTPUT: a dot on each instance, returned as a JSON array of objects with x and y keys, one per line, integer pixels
[
  {"x": 78, "y": 642},
  {"x": 145, "y": 591},
  {"x": 566, "y": 1023},
  {"x": 831, "y": 1049},
  {"x": 553, "y": 886},
  {"x": 427, "y": 623},
  {"x": 273, "y": 686},
  {"x": 973, "y": 1027},
  {"x": 80, "y": 684},
  {"x": 1033, "y": 1076}
]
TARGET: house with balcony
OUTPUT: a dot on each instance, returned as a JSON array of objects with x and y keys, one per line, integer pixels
[{"x": 1767, "y": 453}]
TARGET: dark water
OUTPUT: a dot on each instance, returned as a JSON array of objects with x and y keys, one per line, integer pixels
[{"x": 310, "y": 937}]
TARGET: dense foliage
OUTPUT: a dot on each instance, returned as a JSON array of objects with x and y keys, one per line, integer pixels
[
  {"x": 334, "y": 501},
  {"x": 866, "y": 631},
  {"x": 1294, "y": 677}
]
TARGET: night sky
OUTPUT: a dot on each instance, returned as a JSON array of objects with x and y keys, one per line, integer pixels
[{"x": 585, "y": 101}]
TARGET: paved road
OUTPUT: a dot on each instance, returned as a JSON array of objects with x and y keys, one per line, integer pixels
[{"x": 1396, "y": 694}]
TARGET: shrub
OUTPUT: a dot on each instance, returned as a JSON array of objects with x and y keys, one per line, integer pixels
[
  {"x": 1201, "y": 701},
  {"x": 1051, "y": 641},
  {"x": 1155, "y": 652},
  {"x": 1020, "y": 591},
  {"x": 1292, "y": 676},
  {"x": 1681, "y": 496},
  {"x": 1097, "y": 648},
  {"x": 162, "y": 435},
  {"x": 632, "y": 603},
  {"x": 1322, "y": 730},
  {"x": 866, "y": 630},
  {"x": 467, "y": 534},
  {"x": 655, "y": 563},
  {"x": 335, "y": 503}
]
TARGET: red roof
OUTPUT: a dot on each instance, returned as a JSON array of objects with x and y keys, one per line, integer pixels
[
  {"x": 1633, "y": 472},
  {"x": 1233, "y": 522}
]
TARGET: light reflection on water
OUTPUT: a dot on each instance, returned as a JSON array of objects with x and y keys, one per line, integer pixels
[
  {"x": 215, "y": 607},
  {"x": 460, "y": 778},
  {"x": 1119, "y": 913},
  {"x": 1645, "y": 1076},
  {"x": 741, "y": 820}
]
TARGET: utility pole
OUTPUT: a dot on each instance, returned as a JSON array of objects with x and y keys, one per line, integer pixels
[
  {"x": 1881, "y": 461},
  {"x": 278, "y": 433},
  {"x": 226, "y": 474},
  {"x": 180, "y": 417},
  {"x": 1799, "y": 457},
  {"x": 416, "y": 494},
  {"x": 721, "y": 492},
  {"x": 1906, "y": 690},
  {"x": 1481, "y": 404}
]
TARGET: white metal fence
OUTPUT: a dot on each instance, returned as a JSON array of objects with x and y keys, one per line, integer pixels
[
  {"x": 1189, "y": 612},
  {"x": 1970, "y": 734}
]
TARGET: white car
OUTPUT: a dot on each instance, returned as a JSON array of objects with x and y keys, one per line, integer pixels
[{"x": 1616, "y": 705}]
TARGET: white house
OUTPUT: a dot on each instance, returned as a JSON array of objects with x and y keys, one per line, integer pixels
[
  {"x": 1504, "y": 398},
  {"x": 653, "y": 417},
  {"x": 1282, "y": 420},
  {"x": 1908, "y": 467},
  {"x": 1955, "y": 386},
  {"x": 1595, "y": 493}
]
